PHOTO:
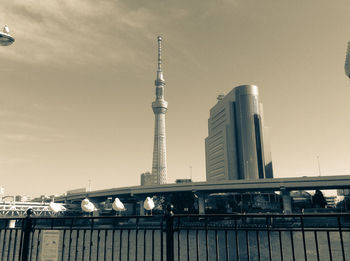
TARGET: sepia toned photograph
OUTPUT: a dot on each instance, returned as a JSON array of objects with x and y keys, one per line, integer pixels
[{"x": 163, "y": 130}]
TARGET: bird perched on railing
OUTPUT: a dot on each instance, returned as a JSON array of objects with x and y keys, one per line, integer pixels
[
  {"x": 149, "y": 204},
  {"x": 88, "y": 206},
  {"x": 118, "y": 205},
  {"x": 56, "y": 207}
]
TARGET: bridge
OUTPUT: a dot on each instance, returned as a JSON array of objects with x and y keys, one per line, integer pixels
[
  {"x": 284, "y": 185},
  {"x": 276, "y": 184},
  {"x": 19, "y": 209}
]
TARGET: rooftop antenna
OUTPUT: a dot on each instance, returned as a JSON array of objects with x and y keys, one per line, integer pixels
[
  {"x": 191, "y": 173},
  {"x": 319, "y": 167},
  {"x": 347, "y": 61}
]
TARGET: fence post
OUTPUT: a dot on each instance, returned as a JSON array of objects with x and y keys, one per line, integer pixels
[
  {"x": 169, "y": 218},
  {"x": 26, "y": 230}
]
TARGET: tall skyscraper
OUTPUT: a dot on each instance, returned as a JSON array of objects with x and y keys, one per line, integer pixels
[
  {"x": 235, "y": 146},
  {"x": 159, "y": 106}
]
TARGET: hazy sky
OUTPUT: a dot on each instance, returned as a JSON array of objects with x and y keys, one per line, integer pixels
[{"x": 78, "y": 83}]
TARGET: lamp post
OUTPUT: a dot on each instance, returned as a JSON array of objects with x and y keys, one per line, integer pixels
[{"x": 5, "y": 37}]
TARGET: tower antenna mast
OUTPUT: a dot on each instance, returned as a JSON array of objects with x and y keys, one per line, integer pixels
[{"x": 159, "y": 106}]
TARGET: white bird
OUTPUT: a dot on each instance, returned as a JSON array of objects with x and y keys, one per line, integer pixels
[
  {"x": 56, "y": 207},
  {"x": 118, "y": 205},
  {"x": 6, "y": 29},
  {"x": 87, "y": 206},
  {"x": 148, "y": 204}
]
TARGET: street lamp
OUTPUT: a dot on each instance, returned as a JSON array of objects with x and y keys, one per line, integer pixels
[{"x": 5, "y": 37}]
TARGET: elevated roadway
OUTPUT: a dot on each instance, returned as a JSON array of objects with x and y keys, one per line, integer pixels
[{"x": 262, "y": 185}]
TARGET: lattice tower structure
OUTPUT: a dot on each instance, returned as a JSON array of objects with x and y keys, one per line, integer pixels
[{"x": 160, "y": 107}]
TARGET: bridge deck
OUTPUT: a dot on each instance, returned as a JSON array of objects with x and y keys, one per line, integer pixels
[{"x": 276, "y": 184}]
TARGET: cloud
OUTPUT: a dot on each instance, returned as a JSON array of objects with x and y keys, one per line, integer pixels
[
  {"x": 73, "y": 32},
  {"x": 66, "y": 33}
]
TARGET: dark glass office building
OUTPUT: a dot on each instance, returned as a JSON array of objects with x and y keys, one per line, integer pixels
[{"x": 237, "y": 145}]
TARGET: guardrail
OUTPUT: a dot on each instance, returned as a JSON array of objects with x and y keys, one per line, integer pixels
[{"x": 177, "y": 237}]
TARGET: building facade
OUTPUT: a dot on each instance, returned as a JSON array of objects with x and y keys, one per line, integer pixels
[
  {"x": 235, "y": 146},
  {"x": 148, "y": 179},
  {"x": 159, "y": 106}
]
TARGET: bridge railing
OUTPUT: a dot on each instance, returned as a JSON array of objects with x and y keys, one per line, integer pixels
[{"x": 177, "y": 237}]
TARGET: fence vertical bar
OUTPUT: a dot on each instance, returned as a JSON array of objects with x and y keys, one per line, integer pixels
[
  {"x": 161, "y": 240},
  {"x": 98, "y": 244},
  {"x": 113, "y": 232},
  {"x": 15, "y": 246},
  {"x": 76, "y": 245},
  {"x": 63, "y": 244},
  {"x": 247, "y": 243},
  {"x": 206, "y": 240},
  {"x": 27, "y": 230},
  {"x": 226, "y": 244},
  {"x": 341, "y": 238},
  {"x": 144, "y": 244},
  {"x": 169, "y": 217},
  {"x": 136, "y": 238},
  {"x": 83, "y": 247},
  {"x": 21, "y": 241},
  {"x": 197, "y": 245},
  {"x": 281, "y": 247},
  {"x": 216, "y": 244},
  {"x": 236, "y": 234},
  {"x": 303, "y": 234},
  {"x": 316, "y": 244},
  {"x": 70, "y": 239},
  {"x": 292, "y": 244},
  {"x": 258, "y": 243},
  {"x": 188, "y": 245},
  {"x": 38, "y": 246},
  {"x": 105, "y": 246},
  {"x": 329, "y": 247},
  {"x": 268, "y": 221},
  {"x": 9, "y": 245},
  {"x": 91, "y": 234},
  {"x": 3, "y": 245},
  {"x": 128, "y": 254},
  {"x": 120, "y": 244},
  {"x": 178, "y": 239},
  {"x": 31, "y": 246}
]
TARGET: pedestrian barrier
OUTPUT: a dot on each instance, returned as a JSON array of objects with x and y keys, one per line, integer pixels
[{"x": 172, "y": 237}]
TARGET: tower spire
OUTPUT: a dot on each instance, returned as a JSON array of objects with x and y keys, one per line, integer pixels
[
  {"x": 160, "y": 79},
  {"x": 159, "y": 53}
]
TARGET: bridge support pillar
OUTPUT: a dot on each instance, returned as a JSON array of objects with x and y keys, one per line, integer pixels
[
  {"x": 201, "y": 203},
  {"x": 287, "y": 201}
]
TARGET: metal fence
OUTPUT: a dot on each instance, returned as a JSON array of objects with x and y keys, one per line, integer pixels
[{"x": 177, "y": 237}]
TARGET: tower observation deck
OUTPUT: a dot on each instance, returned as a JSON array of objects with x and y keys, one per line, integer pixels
[{"x": 159, "y": 106}]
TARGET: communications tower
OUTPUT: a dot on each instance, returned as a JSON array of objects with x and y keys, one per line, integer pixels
[{"x": 159, "y": 106}]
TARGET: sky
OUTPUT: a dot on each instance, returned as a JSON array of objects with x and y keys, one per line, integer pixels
[{"x": 77, "y": 85}]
